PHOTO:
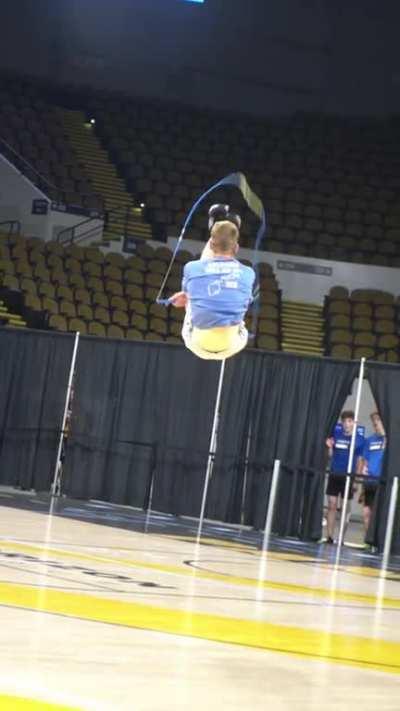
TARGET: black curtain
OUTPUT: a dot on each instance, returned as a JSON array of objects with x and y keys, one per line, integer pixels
[
  {"x": 143, "y": 412},
  {"x": 385, "y": 385},
  {"x": 34, "y": 370},
  {"x": 243, "y": 380},
  {"x": 109, "y": 454},
  {"x": 140, "y": 409},
  {"x": 298, "y": 400},
  {"x": 186, "y": 395}
]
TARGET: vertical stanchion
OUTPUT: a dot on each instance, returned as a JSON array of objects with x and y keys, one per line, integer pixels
[
  {"x": 149, "y": 496},
  {"x": 212, "y": 449},
  {"x": 56, "y": 485},
  {"x": 390, "y": 522},
  {"x": 246, "y": 468},
  {"x": 271, "y": 504},
  {"x": 351, "y": 457}
]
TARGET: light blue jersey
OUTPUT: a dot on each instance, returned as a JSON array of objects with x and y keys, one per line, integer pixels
[{"x": 219, "y": 289}]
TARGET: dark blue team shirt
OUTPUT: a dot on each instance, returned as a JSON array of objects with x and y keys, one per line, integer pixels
[
  {"x": 373, "y": 453},
  {"x": 220, "y": 291},
  {"x": 341, "y": 452}
]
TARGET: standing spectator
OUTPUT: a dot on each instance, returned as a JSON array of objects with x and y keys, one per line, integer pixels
[
  {"x": 339, "y": 450},
  {"x": 372, "y": 461}
]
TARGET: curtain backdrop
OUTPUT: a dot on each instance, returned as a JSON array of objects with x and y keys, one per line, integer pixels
[
  {"x": 298, "y": 400},
  {"x": 34, "y": 369},
  {"x": 385, "y": 385},
  {"x": 140, "y": 408},
  {"x": 143, "y": 413}
]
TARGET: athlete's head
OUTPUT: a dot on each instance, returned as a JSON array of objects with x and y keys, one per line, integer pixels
[
  {"x": 377, "y": 423},
  {"x": 347, "y": 420},
  {"x": 224, "y": 240}
]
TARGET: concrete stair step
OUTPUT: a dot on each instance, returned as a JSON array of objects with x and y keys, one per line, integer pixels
[
  {"x": 303, "y": 325},
  {"x": 302, "y": 351},
  {"x": 302, "y": 305}
]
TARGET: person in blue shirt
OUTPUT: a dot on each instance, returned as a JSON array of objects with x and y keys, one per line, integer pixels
[
  {"x": 372, "y": 462},
  {"x": 339, "y": 450},
  {"x": 216, "y": 292}
]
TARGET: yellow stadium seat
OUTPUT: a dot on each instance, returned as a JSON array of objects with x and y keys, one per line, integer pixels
[
  {"x": 47, "y": 289},
  {"x": 111, "y": 272},
  {"x": 133, "y": 291},
  {"x": 133, "y": 334},
  {"x": 73, "y": 265},
  {"x": 116, "y": 260},
  {"x": 113, "y": 288},
  {"x": 133, "y": 276},
  {"x": 60, "y": 278},
  {"x": 76, "y": 324},
  {"x": 139, "y": 322},
  {"x": 32, "y": 302},
  {"x": 28, "y": 285},
  {"x": 67, "y": 308},
  {"x": 76, "y": 280},
  {"x": 121, "y": 318},
  {"x": 102, "y": 315},
  {"x": 50, "y": 305},
  {"x": 96, "y": 329},
  {"x": 99, "y": 298},
  {"x": 341, "y": 351},
  {"x": 82, "y": 296},
  {"x": 92, "y": 269},
  {"x": 59, "y": 323},
  {"x": 269, "y": 343},
  {"x": 118, "y": 302},
  {"x": 85, "y": 312},
  {"x": 63, "y": 292},
  {"x": 114, "y": 331},
  {"x": 94, "y": 284}
]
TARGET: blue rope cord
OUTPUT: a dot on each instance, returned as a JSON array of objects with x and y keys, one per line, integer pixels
[{"x": 239, "y": 181}]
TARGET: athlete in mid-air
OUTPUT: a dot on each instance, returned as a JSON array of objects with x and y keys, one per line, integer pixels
[{"x": 216, "y": 292}]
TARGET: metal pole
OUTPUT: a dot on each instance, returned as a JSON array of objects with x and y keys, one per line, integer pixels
[
  {"x": 246, "y": 467},
  {"x": 351, "y": 456},
  {"x": 212, "y": 450},
  {"x": 390, "y": 522},
  {"x": 55, "y": 487},
  {"x": 271, "y": 504}
]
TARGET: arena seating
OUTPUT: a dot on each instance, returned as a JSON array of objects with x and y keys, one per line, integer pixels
[
  {"x": 34, "y": 129},
  {"x": 81, "y": 288},
  {"x": 362, "y": 323},
  {"x": 331, "y": 185}
]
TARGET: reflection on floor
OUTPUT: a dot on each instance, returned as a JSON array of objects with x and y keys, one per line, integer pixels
[{"x": 105, "y": 608}]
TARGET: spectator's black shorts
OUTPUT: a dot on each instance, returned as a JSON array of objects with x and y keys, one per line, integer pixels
[
  {"x": 336, "y": 486},
  {"x": 369, "y": 491}
]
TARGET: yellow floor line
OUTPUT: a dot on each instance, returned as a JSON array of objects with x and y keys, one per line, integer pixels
[
  {"x": 17, "y": 703},
  {"x": 375, "y": 654},
  {"x": 292, "y": 588}
]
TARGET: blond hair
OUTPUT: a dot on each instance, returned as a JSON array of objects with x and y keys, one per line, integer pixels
[{"x": 224, "y": 237}]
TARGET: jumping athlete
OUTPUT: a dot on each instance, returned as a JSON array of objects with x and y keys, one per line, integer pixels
[{"x": 216, "y": 292}]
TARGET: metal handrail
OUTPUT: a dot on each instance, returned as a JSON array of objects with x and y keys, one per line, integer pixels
[
  {"x": 73, "y": 229},
  {"x": 41, "y": 177},
  {"x": 124, "y": 210},
  {"x": 43, "y": 181},
  {"x": 11, "y": 223}
]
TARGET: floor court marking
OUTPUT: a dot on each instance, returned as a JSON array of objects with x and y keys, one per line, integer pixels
[
  {"x": 194, "y": 570},
  {"x": 19, "y": 703},
  {"x": 376, "y": 654}
]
